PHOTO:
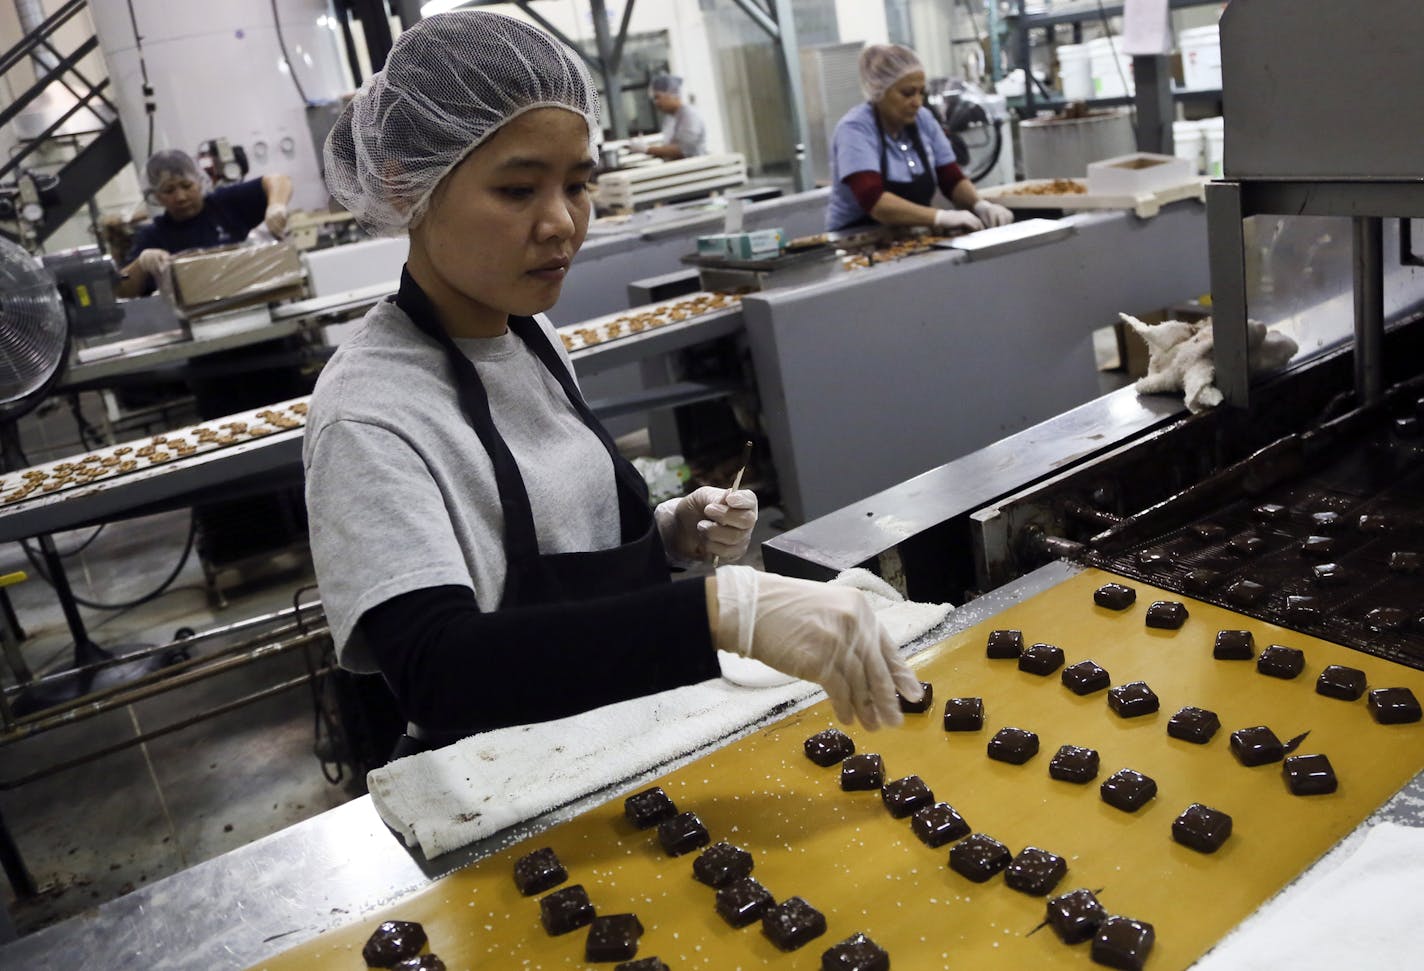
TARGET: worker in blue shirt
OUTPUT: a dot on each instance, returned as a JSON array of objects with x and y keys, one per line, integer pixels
[{"x": 192, "y": 220}]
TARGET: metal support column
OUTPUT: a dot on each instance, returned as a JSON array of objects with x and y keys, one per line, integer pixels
[
  {"x": 1227, "y": 261},
  {"x": 791, "y": 75},
  {"x": 1155, "y": 110},
  {"x": 608, "y": 66},
  {"x": 1369, "y": 308}
]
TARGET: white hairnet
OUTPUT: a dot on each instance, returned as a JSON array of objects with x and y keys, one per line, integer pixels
[
  {"x": 170, "y": 161},
  {"x": 881, "y": 65},
  {"x": 667, "y": 84},
  {"x": 449, "y": 83}
]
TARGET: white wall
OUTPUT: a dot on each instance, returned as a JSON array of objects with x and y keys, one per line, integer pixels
[{"x": 862, "y": 20}]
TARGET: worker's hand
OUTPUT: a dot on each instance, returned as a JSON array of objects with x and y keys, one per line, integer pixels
[
  {"x": 992, "y": 214},
  {"x": 956, "y": 221},
  {"x": 822, "y": 633},
  {"x": 637, "y": 144},
  {"x": 710, "y": 522},
  {"x": 276, "y": 220},
  {"x": 154, "y": 261}
]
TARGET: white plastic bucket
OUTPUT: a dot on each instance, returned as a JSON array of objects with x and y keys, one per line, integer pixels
[
  {"x": 1110, "y": 68},
  {"x": 1213, "y": 143},
  {"x": 1201, "y": 57},
  {"x": 1075, "y": 71},
  {"x": 1188, "y": 143}
]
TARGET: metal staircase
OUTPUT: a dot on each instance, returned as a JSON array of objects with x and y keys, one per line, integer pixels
[{"x": 36, "y": 198}]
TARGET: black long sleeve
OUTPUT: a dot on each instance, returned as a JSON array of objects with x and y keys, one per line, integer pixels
[{"x": 454, "y": 668}]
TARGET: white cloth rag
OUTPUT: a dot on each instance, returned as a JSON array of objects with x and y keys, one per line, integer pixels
[
  {"x": 1363, "y": 914},
  {"x": 1179, "y": 357},
  {"x": 451, "y": 797}
]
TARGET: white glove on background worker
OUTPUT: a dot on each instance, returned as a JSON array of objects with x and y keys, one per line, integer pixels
[
  {"x": 992, "y": 213},
  {"x": 711, "y": 522},
  {"x": 818, "y": 632},
  {"x": 957, "y": 220},
  {"x": 637, "y": 144},
  {"x": 276, "y": 220},
  {"x": 155, "y": 261}
]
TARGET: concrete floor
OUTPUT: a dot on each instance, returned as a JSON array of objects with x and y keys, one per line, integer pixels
[{"x": 92, "y": 833}]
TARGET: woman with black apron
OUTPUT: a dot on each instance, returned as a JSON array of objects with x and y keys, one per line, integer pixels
[
  {"x": 478, "y": 538},
  {"x": 889, "y": 154}
]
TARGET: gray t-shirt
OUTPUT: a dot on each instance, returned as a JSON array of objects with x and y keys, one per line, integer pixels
[
  {"x": 401, "y": 493},
  {"x": 686, "y": 130}
]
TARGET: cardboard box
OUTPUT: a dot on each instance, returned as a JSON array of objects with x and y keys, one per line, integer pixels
[
  {"x": 200, "y": 281},
  {"x": 761, "y": 244},
  {"x": 1138, "y": 173}
]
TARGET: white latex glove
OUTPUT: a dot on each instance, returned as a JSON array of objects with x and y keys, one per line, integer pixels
[
  {"x": 992, "y": 214},
  {"x": 711, "y": 522},
  {"x": 638, "y": 144},
  {"x": 819, "y": 632},
  {"x": 276, "y": 220},
  {"x": 155, "y": 261},
  {"x": 957, "y": 220}
]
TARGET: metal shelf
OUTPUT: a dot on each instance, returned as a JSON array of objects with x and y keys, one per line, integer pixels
[{"x": 1093, "y": 12}]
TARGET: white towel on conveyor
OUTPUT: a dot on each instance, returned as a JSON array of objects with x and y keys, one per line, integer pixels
[{"x": 442, "y": 800}]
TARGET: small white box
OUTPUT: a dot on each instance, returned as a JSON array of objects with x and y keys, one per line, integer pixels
[{"x": 1138, "y": 173}]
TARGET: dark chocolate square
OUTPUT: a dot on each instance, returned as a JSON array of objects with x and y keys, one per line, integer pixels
[
  {"x": 1208, "y": 531},
  {"x": 1013, "y": 745},
  {"x": 855, "y": 953},
  {"x": 1123, "y": 943},
  {"x": 1329, "y": 574},
  {"x": 1005, "y": 643},
  {"x": 861, "y": 773},
  {"x": 1114, "y": 596},
  {"x": 721, "y": 863},
  {"x": 1319, "y": 546},
  {"x": 792, "y": 923},
  {"x": 1270, "y": 512},
  {"x": 1384, "y": 619},
  {"x": 1408, "y": 426},
  {"x": 1246, "y": 593},
  {"x": 978, "y": 857},
  {"x": 921, "y": 706},
  {"x": 1247, "y": 544},
  {"x": 1234, "y": 645},
  {"x": 538, "y": 871},
  {"x": 829, "y": 747},
  {"x": 649, "y": 807},
  {"x": 903, "y": 796},
  {"x": 741, "y": 902},
  {"x": 1085, "y": 677},
  {"x": 1375, "y": 524},
  {"x": 566, "y": 909},
  {"x": 1326, "y": 519},
  {"x": 1035, "y": 872},
  {"x": 1303, "y": 608},
  {"x": 1406, "y": 561},
  {"x": 1154, "y": 560},
  {"x": 1167, "y": 614},
  {"x": 613, "y": 938},
  {"x": 938, "y": 824},
  {"x": 1075, "y": 915},
  {"x": 1281, "y": 662},
  {"x": 1196, "y": 725},
  {"x": 421, "y": 962},
  {"x": 1394, "y": 706},
  {"x": 392, "y": 941},
  {"x": 1201, "y": 828},
  {"x": 1338, "y": 681},
  {"x": 1074, "y": 764},
  {"x": 1133, "y": 699},
  {"x": 1309, "y": 775},
  {"x": 682, "y": 834},
  {"x": 1200, "y": 580},
  {"x": 1041, "y": 659},
  {"x": 1256, "y": 746},
  {"x": 642, "y": 964},
  {"x": 1128, "y": 790},
  {"x": 964, "y": 714}
]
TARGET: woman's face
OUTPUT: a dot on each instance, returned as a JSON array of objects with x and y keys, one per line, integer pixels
[
  {"x": 180, "y": 196},
  {"x": 903, "y": 100},
  {"x": 504, "y": 225}
]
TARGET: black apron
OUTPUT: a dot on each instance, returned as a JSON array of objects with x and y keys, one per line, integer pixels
[
  {"x": 531, "y": 577},
  {"x": 920, "y": 190}
]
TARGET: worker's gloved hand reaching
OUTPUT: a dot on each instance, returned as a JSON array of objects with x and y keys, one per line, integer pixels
[
  {"x": 819, "y": 632},
  {"x": 992, "y": 214},
  {"x": 276, "y": 220},
  {"x": 711, "y": 522},
  {"x": 155, "y": 262},
  {"x": 956, "y": 221},
  {"x": 637, "y": 144}
]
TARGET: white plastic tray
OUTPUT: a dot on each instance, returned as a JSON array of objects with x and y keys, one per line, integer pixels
[{"x": 1144, "y": 205}]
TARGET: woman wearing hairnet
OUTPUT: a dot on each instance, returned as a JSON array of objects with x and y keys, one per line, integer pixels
[
  {"x": 889, "y": 154},
  {"x": 477, "y": 537}
]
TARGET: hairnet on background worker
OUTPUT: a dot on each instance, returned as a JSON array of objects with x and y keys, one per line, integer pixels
[
  {"x": 477, "y": 536},
  {"x": 889, "y": 154},
  {"x": 170, "y": 162},
  {"x": 667, "y": 84}
]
